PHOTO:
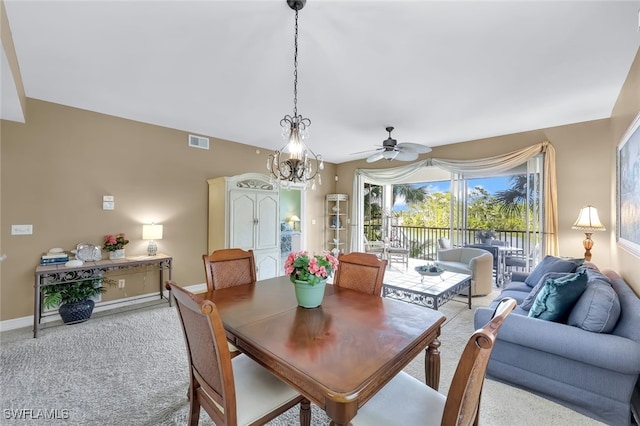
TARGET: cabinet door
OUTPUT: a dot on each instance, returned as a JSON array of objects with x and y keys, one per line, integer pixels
[
  {"x": 267, "y": 264},
  {"x": 267, "y": 214},
  {"x": 242, "y": 207}
]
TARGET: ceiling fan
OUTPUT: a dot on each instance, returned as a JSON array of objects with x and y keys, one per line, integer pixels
[{"x": 392, "y": 150}]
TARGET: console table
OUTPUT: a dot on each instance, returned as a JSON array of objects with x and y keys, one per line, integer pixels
[{"x": 59, "y": 274}]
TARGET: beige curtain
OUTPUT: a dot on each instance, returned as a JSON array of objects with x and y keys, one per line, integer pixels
[{"x": 482, "y": 166}]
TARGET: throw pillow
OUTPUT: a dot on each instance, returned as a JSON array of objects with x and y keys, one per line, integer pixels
[
  {"x": 528, "y": 301},
  {"x": 597, "y": 310},
  {"x": 549, "y": 264},
  {"x": 557, "y": 297}
]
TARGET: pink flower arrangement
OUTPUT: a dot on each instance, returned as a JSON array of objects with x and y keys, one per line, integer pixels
[
  {"x": 302, "y": 267},
  {"x": 115, "y": 242}
]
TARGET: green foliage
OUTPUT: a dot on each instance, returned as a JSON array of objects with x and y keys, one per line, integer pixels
[{"x": 60, "y": 294}]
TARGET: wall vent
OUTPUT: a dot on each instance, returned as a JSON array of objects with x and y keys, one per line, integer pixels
[{"x": 198, "y": 142}]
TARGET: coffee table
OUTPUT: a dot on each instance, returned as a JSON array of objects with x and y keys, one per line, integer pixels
[{"x": 429, "y": 291}]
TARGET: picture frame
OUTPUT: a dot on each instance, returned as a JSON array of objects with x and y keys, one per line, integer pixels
[{"x": 628, "y": 189}]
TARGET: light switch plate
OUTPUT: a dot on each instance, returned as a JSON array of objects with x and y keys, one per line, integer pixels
[
  {"x": 108, "y": 205},
  {"x": 21, "y": 229},
  {"x": 107, "y": 198}
]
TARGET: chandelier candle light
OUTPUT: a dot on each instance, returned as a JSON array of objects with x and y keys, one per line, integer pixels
[
  {"x": 588, "y": 221},
  {"x": 152, "y": 233},
  {"x": 302, "y": 164}
]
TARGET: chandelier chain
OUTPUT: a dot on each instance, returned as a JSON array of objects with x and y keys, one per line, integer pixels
[{"x": 295, "y": 69}]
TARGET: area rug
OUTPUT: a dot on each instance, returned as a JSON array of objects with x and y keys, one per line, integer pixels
[{"x": 130, "y": 368}]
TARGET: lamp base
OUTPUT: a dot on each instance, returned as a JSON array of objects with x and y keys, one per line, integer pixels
[
  {"x": 152, "y": 249},
  {"x": 587, "y": 243}
]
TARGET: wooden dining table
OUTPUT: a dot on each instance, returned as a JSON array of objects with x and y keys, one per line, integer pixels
[{"x": 339, "y": 354}]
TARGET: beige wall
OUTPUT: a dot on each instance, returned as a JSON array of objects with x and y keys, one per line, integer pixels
[
  {"x": 56, "y": 168},
  {"x": 625, "y": 110}
]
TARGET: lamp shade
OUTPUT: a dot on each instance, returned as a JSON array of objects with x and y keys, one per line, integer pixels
[
  {"x": 588, "y": 220},
  {"x": 152, "y": 232},
  {"x": 294, "y": 218}
]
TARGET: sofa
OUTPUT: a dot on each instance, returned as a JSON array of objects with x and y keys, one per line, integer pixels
[
  {"x": 476, "y": 262},
  {"x": 581, "y": 351}
]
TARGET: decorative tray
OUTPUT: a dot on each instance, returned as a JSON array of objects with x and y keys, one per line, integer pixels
[{"x": 429, "y": 270}]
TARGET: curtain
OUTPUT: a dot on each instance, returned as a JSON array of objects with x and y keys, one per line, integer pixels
[{"x": 482, "y": 166}]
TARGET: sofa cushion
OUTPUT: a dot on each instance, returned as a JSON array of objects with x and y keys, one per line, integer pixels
[
  {"x": 549, "y": 264},
  {"x": 528, "y": 301},
  {"x": 557, "y": 297},
  {"x": 597, "y": 309}
]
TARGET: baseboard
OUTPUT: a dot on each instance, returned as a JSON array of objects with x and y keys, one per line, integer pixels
[{"x": 15, "y": 323}]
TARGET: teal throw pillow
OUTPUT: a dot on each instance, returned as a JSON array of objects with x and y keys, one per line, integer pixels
[
  {"x": 549, "y": 264},
  {"x": 557, "y": 297},
  {"x": 527, "y": 303}
]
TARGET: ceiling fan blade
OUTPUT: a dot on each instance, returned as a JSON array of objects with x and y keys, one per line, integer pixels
[
  {"x": 406, "y": 155},
  {"x": 368, "y": 150},
  {"x": 375, "y": 157},
  {"x": 414, "y": 147}
]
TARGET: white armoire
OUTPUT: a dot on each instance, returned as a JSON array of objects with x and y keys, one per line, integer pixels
[{"x": 244, "y": 213}]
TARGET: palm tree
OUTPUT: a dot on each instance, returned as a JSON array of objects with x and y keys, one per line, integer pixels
[
  {"x": 411, "y": 194},
  {"x": 512, "y": 200}
]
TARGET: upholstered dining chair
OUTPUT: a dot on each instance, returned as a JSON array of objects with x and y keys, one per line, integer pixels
[
  {"x": 362, "y": 272},
  {"x": 227, "y": 268},
  {"x": 405, "y": 400},
  {"x": 234, "y": 391}
]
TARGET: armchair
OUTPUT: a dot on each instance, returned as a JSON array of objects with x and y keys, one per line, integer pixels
[{"x": 473, "y": 261}]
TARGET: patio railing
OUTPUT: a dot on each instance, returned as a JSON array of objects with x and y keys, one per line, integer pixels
[{"x": 422, "y": 242}]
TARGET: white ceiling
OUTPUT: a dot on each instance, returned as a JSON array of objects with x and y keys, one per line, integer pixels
[{"x": 440, "y": 72}]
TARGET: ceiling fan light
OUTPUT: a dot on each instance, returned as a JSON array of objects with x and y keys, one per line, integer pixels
[{"x": 389, "y": 155}]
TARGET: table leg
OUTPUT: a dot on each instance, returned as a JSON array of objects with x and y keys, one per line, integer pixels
[
  {"x": 469, "y": 294},
  {"x": 36, "y": 307},
  {"x": 432, "y": 363}
]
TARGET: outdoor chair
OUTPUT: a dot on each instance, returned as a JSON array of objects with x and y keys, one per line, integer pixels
[
  {"x": 227, "y": 268},
  {"x": 473, "y": 261},
  {"x": 407, "y": 401},
  {"x": 234, "y": 391},
  {"x": 373, "y": 247},
  {"x": 362, "y": 272}
]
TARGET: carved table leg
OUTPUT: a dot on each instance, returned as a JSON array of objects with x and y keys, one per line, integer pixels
[{"x": 432, "y": 364}]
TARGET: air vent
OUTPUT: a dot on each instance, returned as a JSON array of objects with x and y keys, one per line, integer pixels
[{"x": 198, "y": 142}]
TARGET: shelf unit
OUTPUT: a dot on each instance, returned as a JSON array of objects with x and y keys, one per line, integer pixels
[{"x": 336, "y": 208}]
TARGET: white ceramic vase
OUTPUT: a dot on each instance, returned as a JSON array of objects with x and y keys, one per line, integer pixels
[{"x": 116, "y": 254}]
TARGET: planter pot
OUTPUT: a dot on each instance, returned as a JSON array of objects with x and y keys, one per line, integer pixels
[
  {"x": 116, "y": 254},
  {"x": 485, "y": 240},
  {"x": 73, "y": 313},
  {"x": 309, "y": 296}
]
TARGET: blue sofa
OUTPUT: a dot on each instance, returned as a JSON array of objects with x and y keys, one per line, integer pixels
[{"x": 587, "y": 360}]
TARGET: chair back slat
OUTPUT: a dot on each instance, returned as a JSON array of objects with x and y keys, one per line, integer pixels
[
  {"x": 463, "y": 398},
  {"x": 362, "y": 272},
  {"x": 229, "y": 267}
]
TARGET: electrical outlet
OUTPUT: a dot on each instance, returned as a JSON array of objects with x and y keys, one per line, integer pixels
[{"x": 121, "y": 283}]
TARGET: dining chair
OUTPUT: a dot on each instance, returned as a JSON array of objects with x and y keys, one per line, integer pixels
[
  {"x": 229, "y": 267},
  {"x": 236, "y": 391},
  {"x": 405, "y": 400},
  {"x": 362, "y": 272}
]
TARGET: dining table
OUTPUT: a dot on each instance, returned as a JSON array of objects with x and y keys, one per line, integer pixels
[{"x": 337, "y": 355}]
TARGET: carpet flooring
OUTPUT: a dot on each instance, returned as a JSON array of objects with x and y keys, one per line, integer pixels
[{"x": 130, "y": 368}]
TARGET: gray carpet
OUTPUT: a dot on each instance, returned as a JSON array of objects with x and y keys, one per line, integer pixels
[{"x": 130, "y": 368}]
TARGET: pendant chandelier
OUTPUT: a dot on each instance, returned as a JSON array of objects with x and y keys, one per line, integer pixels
[{"x": 294, "y": 162}]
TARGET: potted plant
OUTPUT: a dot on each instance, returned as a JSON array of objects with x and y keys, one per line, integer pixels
[
  {"x": 309, "y": 275},
  {"x": 74, "y": 298},
  {"x": 114, "y": 244},
  {"x": 485, "y": 236}
]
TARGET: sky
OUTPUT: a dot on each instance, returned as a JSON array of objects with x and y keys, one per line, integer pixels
[{"x": 492, "y": 185}]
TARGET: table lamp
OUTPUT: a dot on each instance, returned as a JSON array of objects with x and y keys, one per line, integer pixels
[
  {"x": 152, "y": 232},
  {"x": 293, "y": 219},
  {"x": 588, "y": 221}
]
